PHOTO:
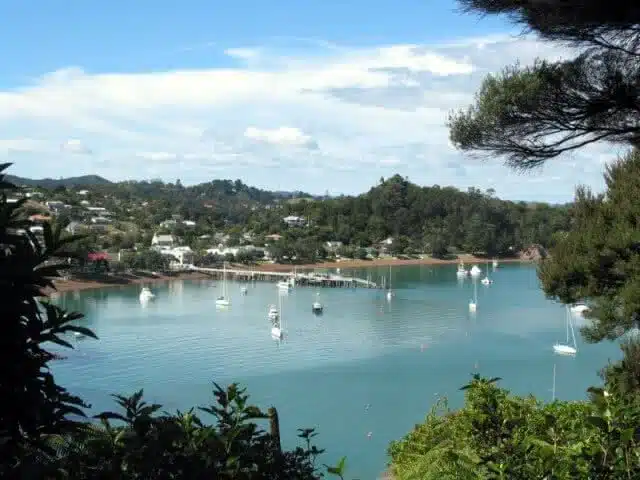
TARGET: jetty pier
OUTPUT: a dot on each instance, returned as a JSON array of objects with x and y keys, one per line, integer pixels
[{"x": 310, "y": 279}]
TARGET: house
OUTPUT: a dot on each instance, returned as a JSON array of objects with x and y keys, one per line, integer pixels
[
  {"x": 97, "y": 210},
  {"x": 100, "y": 220},
  {"x": 55, "y": 205},
  {"x": 163, "y": 241},
  {"x": 85, "y": 203},
  {"x": 273, "y": 237},
  {"x": 74, "y": 227},
  {"x": 168, "y": 224},
  {"x": 222, "y": 251},
  {"x": 183, "y": 254},
  {"x": 39, "y": 219},
  {"x": 189, "y": 223},
  {"x": 332, "y": 246},
  {"x": 83, "y": 192},
  {"x": 293, "y": 221}
]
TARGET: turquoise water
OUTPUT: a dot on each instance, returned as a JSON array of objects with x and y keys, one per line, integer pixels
[{"x": 396, "y": 356}]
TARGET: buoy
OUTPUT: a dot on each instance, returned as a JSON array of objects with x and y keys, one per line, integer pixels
[{"x": 369, "y": 435}]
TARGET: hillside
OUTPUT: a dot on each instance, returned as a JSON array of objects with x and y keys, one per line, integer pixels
[
  {"x": 438, "y": 220},
  {"x": 51, "y": 183}
]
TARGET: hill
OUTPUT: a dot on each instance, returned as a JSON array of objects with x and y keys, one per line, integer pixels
[
  {"x": 396, "y": 215},
  {"x": 52, "y": 183}
]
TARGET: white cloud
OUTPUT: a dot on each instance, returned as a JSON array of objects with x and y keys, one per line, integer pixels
[
  {"x": 362, "y": 112},
  {"x": 75, "y": 146},
  {"x": 283, "y": 136}
]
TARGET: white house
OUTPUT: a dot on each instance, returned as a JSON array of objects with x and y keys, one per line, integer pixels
[
  {"x": 189, "y": 223},
  {"x": 83, "y": 192},
  {"x": 183, "y": 254},
  {"x": 293, "y": 221},
  {"x": 163, "y": 241}
]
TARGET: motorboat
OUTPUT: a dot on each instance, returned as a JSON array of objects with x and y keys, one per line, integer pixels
[
  {"x": 222, "y": 301},
  {"x": 486, "y": 281},
  {"x": 317, "y": 307}
]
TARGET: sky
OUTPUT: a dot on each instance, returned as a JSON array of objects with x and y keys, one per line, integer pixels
[{"x": 316, "y": 96}]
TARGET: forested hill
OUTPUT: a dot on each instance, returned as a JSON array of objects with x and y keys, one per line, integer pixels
[
  {"x": 439, "y": 217},
  {"x": 419, "y": 218}
]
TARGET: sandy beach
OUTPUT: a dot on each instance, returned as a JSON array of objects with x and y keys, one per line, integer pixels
[
  {"x": 120, "y": 280},
  {"x": 382, "y": 262}
]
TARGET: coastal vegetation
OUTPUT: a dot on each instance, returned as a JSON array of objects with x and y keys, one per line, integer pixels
[{"x": 529, "y": 115}]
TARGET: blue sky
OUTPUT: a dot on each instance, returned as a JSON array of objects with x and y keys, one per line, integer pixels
[{"x": 284, "y": 95}]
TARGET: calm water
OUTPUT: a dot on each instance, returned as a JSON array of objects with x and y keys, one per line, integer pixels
[{"x": 396, "y": 356}]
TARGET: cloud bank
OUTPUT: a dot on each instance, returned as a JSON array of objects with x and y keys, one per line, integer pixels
[{"x": 335, "y": 120}]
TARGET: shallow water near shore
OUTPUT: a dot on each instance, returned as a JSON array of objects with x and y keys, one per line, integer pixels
[{"x": 395, "y": 356}]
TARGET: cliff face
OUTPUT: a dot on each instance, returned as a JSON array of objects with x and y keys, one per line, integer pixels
[{"x": 533, "y": 253}]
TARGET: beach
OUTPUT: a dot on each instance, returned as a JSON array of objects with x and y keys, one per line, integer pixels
[
  {"x": 88, "y": 282},
  {"x": 382, "y": 262},
  {"x": 119, "y": 280}
]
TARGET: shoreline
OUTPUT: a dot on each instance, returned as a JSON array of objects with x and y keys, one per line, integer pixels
[
  {"x": 382, "y": 262},
  {"x": 124, "y": 280}
]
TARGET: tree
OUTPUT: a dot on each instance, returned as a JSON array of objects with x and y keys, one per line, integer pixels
[
  {"x": 34, "y": 405},
  {"x": 599, "y": 257},
  {"x": 533, "y": 113}
]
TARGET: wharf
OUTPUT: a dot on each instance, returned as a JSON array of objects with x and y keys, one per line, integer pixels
[{"x": 301, "y": 279}]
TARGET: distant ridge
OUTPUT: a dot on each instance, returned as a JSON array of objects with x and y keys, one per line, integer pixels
[{"x": 51, "y": 183}]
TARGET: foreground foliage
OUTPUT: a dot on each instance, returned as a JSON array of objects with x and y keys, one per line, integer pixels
[
  {"x": 500, "y": 436},
  {"x": 43, "y": 429}
]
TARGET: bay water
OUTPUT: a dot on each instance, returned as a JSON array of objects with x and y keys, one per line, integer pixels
[{"x": 363, "y": 373}]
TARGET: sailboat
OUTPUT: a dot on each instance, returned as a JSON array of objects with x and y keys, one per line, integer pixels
[
  {"x": 461, "y": 272},
  {"x": 146, "y": 294},
  {"x": 390, "y": 293},
  {"x": 566, "y": 349},
  {"x": 475, "y": 271},
  {"x": 473, "y": 304},
  {"x": 486, "y": 280},
  {"x": 277, "y": 328},
  {"x": 495, "y": 263},
  {"x": 317, "y": 307},
  {"x": 223, "y": 300}
]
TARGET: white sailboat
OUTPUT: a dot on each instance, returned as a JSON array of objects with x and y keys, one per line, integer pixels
[
  {"x": 475, "y": 271},
  {"x": 273, "y": 313},
  {"x": 146, "y": 294},
  {"x": 566, "y": 349},
  {"x": 390, "y": 293},
  {"x": 461, "y": 272},
  {"x": 277, "y": 327},
  {"x": 317, "y": 307},
  {"x": 486, "y": 280},
  {"x": 223, "y": 300},
  {"x": 473, "y": 303}
]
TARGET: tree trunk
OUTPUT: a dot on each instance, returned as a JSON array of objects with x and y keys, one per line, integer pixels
[{"x": 274, "y": 425}]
